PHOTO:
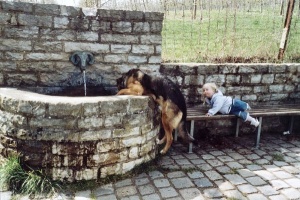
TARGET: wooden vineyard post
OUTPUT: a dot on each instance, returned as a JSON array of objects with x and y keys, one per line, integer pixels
[{"x": 286, "y": 29}]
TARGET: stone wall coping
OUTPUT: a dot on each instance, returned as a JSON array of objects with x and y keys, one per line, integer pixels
[{"x": 32, "y": 96}]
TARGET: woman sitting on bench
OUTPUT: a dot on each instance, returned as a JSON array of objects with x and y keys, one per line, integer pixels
[{"x": 225, "y": 104}]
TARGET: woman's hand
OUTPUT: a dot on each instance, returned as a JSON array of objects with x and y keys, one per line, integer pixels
[{"x": 207, "y": 115}]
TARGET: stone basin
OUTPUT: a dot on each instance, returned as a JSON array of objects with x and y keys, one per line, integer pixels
[{"x": 78, "y": 138}]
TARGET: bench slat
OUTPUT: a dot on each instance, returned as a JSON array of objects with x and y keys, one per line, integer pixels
[{"x": 198, "y": 113}]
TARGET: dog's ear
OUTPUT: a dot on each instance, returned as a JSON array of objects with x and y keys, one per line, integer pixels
[
  {"x": 137, "y": 74},
  {"x": 140, "y": 75}
]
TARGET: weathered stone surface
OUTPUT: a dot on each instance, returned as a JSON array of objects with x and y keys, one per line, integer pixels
[{"x": 55, "y": 132}]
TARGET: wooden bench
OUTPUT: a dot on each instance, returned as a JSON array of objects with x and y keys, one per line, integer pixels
[{"x": 198, "y": 114}]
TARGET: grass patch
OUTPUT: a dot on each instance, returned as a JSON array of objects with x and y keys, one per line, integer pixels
[
  {"x": 228, "y": 36},
  {"x": 234, "y": 171},
  {"x": 20, "y": 181},
  {"x": 278, "y": 157}
]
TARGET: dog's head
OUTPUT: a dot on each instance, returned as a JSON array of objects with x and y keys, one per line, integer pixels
[{"x": 129, "y": 77}]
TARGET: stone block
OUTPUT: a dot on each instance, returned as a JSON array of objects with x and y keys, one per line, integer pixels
[
  {"x": 278, "y": 97},
  {"x": 280, "y": 78},
  {"x": 63, "y": 174},
  {"x": 79, "y": 24},
  {"x": 142, "y": 49},
  {"x": 5, "y": 18},
  {"x": 13, "y": 56},
  {"x": 47, "y": 9},
  {"x": 113, "y": 15},
  {"x": 133, "y": 152},
  {"x": 233, "y": 79},
  {"x": 158, "y": 49},
  {"x": 246, "y": 69},
  {"x": 65, "y": 109},
  {"x": 119, "y": 48},
  {"x": 251, "y": 97},
  {"x": 137, "y": 59},
  {"x": 130, "y": 165},
  {"x": 119, "y": 38},
  {"x": 110, "y": 169},
  {"x": 1, "y": 79},
  {"x": 87, "y": 36},
  {"x": 72, "y": 161},
  {"x": 86, "y": 174},
  {"x": 132, "y": 141},
  {"x": 46, "y": 56},
  {"x": 90, "y": 123},
  {"x": 154, "y": 16},
  {"x": 156, "y": 27},
  {"x": 49, "y": 46},
  {"x": 113, "y": 121},
  {"x": 123, "y": 133},
  {"x": 15, "y": 45},
  {"x": 20, "y": 6},
  {"x": 122, "y": 27},
  {"x": 114, "y": 106},
  {"x": 53, "y": 79},
  {"x": 267, "y": 78},
  {"x": 260, "y": 89},
  {"x": 208, "y": 69},
  {"x": 21, "y": 32},
  {"x": 289, "y": 88},
  {"x": 103, "y": 159},
  {"x": 255, "y": 79},
  {"x": 61, "y": 22},
  {"x": 194, "y": 80},
  {"x": 141, "y": 27},
  {"x": 106, "y": 146},
  {"x": 34, "y": 20},
  {"x": 69, "y": 11},
  {"x": 66, "y": 35},
  {"x": 151, "y": 39},
  {"x": 134, "y": 15},
  {"x": 115, "y": 58},
  {"x": 276, "y": 88},
  {"x": 146, "y": 148},
  {"x": 21, "y": 79},
  {"x": 91, "y": 47},
  {"x": 101, "y": 26},
  {"x": 218, "y": 79},
  {"x": 229, "y": 69},
  {"x": 277, "y": 69}
]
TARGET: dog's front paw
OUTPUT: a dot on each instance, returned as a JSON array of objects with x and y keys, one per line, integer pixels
[
  {"x": 162, "y": 152},
  {"x": 157, "y": 140},
  {"x": 160, "y": 141}
]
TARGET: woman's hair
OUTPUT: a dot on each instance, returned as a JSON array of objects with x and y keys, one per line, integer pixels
[{"x": 213, "y": 86}]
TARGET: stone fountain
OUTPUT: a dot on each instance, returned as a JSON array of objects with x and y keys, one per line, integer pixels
[{"x": 76, "y": 137}]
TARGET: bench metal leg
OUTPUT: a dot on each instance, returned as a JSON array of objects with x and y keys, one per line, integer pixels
[
  {"x": 176, "y": 134},
  {"x": 291, "y": 124},
  {"x": 258, "y": 133},
  {"x": 237, "y": 129},
  {"x": 192, "y": 134}
]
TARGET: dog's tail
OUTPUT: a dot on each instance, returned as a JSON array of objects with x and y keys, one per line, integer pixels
[{"x": 184, "y": 134}]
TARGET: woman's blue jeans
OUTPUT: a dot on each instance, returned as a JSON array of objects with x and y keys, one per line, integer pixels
[{"x": 239, "y": 108}]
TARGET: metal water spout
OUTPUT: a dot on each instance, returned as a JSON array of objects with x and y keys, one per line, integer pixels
[{"x": 81, "y": 59}]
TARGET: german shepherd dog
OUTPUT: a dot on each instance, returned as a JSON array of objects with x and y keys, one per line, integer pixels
[{"x": 170, "y": 99}]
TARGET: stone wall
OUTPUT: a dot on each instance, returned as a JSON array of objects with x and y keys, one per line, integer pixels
[
  {"x": 257, "y": 83},
  {"x": 78, "y": 138},
  {"x": 254, "y": 83},
  {"x": 81, "y": 137},
  {"x": 36, "y": 41}
]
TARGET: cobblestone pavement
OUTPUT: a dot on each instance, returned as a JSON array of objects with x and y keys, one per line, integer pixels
[{"x": 232, "y": 170}]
